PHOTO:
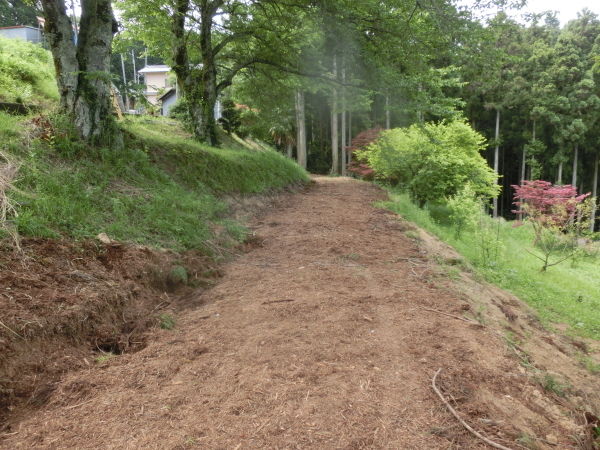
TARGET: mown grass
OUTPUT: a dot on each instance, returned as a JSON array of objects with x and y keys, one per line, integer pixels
[
  {"x": 163, "y": 189},
  {"x": 566, "y": 293}
]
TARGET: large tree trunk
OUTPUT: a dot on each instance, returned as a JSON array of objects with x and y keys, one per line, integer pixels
[
  {"x": 335, "y": 165},
  {"x": 82, "y": 70},
  {"x": 496, "y": 161},
  {"x": 197, "y": 85}
]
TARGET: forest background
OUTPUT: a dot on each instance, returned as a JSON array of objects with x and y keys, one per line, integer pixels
[{"x": 309, "y": 76}]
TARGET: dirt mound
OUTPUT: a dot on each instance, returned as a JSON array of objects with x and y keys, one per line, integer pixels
[
  {"x": 326, "y": 336},
  {"x": 64, "y": 304}
]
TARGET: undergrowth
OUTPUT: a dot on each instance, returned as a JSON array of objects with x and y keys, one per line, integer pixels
[
  {"x": 566, "y": 293},
  {"x": 163, "y": 189}
]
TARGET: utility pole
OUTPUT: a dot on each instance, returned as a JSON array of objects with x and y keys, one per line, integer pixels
[
  {"x": 135, "y": 75},
  {"x": 124, "y": 82}
]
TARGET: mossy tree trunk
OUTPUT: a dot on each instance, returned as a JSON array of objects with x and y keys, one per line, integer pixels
[
  {"x": 197, "y": 83},
  {"x": 83, "y": 67}
]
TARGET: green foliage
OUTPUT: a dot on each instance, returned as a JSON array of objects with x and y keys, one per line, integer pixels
[
  {"x": 563, "y": 295},
  {"x": 177, "y": 275},
  {"x": 231, "y": 116},
  {"x": 180, "y": 111},
  {"x": 167, "y": 322},
  {"x": 432, "y": 162},
  {"x": 104, "y": 357},
  {"x": 464, "y": 209},
  {"x": 590, "y": 364},
  {"x": 26, "y": 72},
  {"x": 17, "y": 12},
  {"x": 487, "y": 239},
  {"x": 550, "y": 383}
]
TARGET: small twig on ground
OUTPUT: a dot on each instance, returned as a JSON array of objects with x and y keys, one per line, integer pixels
[
  {"x": 11, "y": 330},
  {"x": 455, "y": 414},
  {"x": 261, "y": 264},
  {"x": 340, "y": 265},
  {"x": 262, "y": 425},
  {"x": 157, "y": 307},
  {"x": 472, "y": 322},
  {"x": 543, "y": 440},
  {"x": 279, "y": 301},
  {"x": 78, "y": 404}
]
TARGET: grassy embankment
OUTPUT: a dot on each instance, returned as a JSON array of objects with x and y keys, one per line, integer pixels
[
  {"x": 565, "y": 293},
  {"x": 163, "y": 189}
]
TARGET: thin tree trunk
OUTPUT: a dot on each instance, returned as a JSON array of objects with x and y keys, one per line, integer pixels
[
  {"x": 349, "y": 135},
  {"x": 575, "y": 155},
  {"x": 419, "y": 112},
  {"x": 301, "y": 128},
  {"x": 559, "y": 177},
  {"x": 343, "y": 132},
  {"x": 135, "y": 75},
  {"x": 289, "y": 148},
  {"x": 87, "y": 99},
  {"x": 496, "y": 161},
  {"x": 594, "y": 193},
  {"x": 520, "y": 215},
  {"x": 334, "y": 125},
  {"x": 387, "y": 113}
]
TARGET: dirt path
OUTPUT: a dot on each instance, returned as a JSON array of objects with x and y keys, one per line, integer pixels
[{"x": 321, "y": 337}]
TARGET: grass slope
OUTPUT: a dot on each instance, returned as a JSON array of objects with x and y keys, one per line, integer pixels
[
  {"x": 26, "y": 73},
  {"x": 164, "y": 189},
  {"x": 566, "y": 293}
]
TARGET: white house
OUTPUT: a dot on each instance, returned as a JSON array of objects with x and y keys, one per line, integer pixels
[{"x": 155, "y": 77}]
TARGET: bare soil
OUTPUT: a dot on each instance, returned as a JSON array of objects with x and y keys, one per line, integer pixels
[{"x": 324, "y": 335}]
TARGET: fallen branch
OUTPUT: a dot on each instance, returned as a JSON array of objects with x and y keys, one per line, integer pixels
[
  {"x": 279, "y": 301},
  {"x": 472, "y": 322},
  {"x": 455, "y": 414}
]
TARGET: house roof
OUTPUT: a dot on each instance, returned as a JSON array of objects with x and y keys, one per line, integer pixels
[
  {"x": 167, "y": 94},
  {"x": 18, "y": 26},
  {"x": 157, "y": 68}
]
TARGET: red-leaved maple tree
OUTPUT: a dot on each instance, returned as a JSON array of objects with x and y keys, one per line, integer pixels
[
  {"x": 362, "y": 142},
  {"x": 557, "y": 215},
  {"x": 546, "y": 204}
]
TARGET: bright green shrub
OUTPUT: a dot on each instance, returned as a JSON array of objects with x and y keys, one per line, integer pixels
[
  {"x": 26, "y": 72},
  {"x": 434, "y": 161},
  {"x": 465, "y": 209}
]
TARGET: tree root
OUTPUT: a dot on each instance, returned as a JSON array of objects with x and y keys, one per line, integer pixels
[{"x": 455, "y": 414}]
